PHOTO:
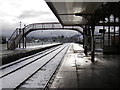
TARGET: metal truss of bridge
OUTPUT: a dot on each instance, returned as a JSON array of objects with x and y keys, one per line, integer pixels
[{"x": 20, "y": 33}]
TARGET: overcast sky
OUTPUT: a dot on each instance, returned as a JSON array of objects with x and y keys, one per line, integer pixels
[{"x": 26, "y": 11}]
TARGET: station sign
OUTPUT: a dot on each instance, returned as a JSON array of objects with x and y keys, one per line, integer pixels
[{"x": 102, "y": 30}]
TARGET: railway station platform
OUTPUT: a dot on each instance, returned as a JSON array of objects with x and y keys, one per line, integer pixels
[
  {"x": 8, "y": 56},
  {"x": 77, "y": 72}
]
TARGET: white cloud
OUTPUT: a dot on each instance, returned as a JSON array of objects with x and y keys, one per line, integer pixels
[
  {"x": 32, "y": 14},
  {"x": 11, "y": 9},
  {"x": 27, "y": 11}
]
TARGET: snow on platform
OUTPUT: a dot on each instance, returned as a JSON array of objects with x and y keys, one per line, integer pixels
[
  {"x": 77, "y": 71},
  {"x": 12, "y": 55},
  {"x": 37, "y": 46},
  {"x": 28, "y": 48}
]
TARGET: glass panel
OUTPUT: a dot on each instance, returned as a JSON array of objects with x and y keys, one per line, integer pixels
[{"x": 72, "y": 19}]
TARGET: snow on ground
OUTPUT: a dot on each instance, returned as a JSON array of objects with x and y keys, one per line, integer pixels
[
  {"x": 37, "y": 46},
  {"x": 78, "y": 47}
]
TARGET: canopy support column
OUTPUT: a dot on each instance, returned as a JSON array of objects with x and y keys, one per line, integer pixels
[
  {"x": 85, "y": 41},
  {"x": 92, "y": 39}
]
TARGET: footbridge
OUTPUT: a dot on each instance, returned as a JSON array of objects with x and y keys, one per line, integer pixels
[{"x": 20, "y": 33}]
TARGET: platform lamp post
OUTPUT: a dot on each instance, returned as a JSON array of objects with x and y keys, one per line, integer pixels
[
  {"x": 20, "y": 28},
  {"x": 20, "y": 33},
  {"x": 20, "y": 24},
  {"x": 24, "y": 36}
]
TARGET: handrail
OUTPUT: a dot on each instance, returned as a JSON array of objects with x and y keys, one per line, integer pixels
[
  {"x": 41, "y": 25},
  {"x": 13, "y": 33}
]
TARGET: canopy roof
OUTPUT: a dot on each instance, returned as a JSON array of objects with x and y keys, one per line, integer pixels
[{"x": 66, "y": 11}]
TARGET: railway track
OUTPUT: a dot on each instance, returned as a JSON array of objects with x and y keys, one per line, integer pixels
[
  {"x": 23, "y": 59},
  {"x": 14, "y": 66},
  {"x": 37, "y": 72}
]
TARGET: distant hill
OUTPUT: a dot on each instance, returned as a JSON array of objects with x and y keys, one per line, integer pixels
[{"x": 76, "y": 36}]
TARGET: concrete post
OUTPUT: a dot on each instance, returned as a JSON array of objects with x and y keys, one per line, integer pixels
[
  {"x": 92, "y": 39},
  {"x": 92, "y": 45},
  {"x": 85, "y": 40},
  {"x": 23, "y": 38}
]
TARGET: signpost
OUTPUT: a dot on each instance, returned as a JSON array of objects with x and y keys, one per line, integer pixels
[{"x": 102, "y": 30}]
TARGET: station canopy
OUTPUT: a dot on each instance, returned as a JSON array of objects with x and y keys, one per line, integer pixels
[{"x": 67, "y": 11}]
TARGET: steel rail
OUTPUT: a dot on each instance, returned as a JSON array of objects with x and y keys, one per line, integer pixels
[
  {"x": 46, "y": 85},
  {"x": 18, "y": 86},
  {"x": 28, "y": 63},
  {"x": 25, "y": 58}
]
